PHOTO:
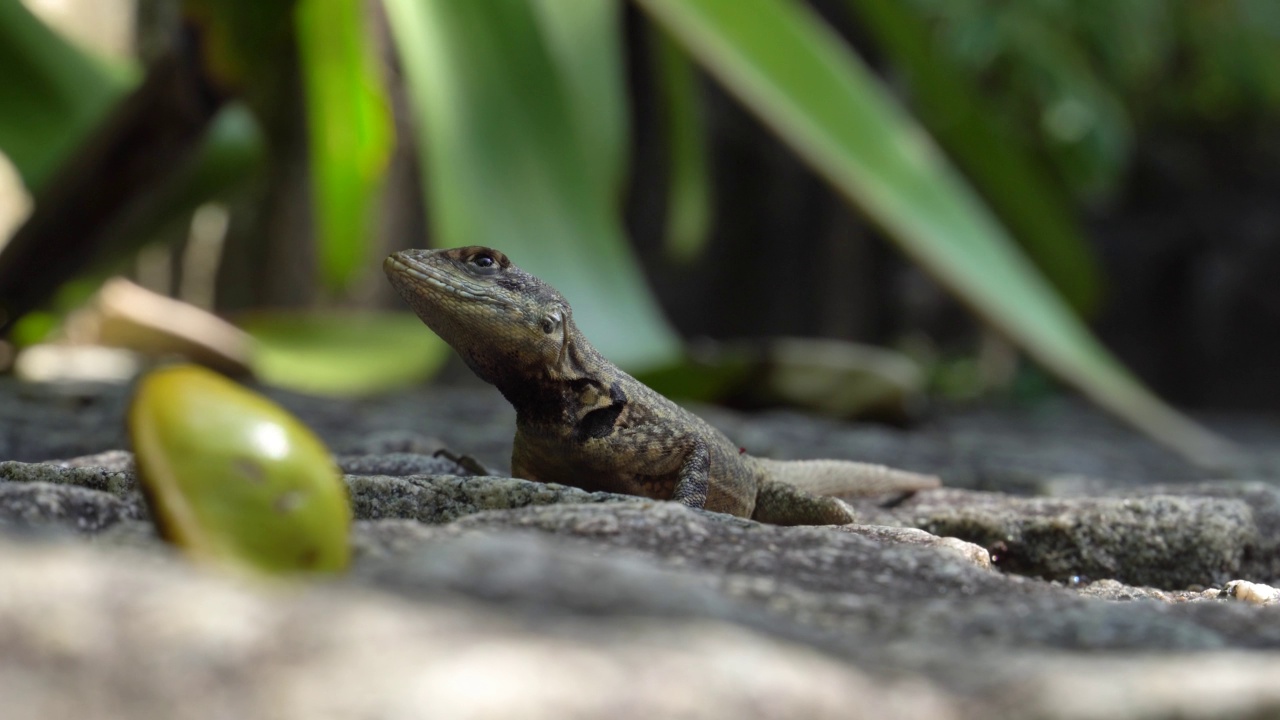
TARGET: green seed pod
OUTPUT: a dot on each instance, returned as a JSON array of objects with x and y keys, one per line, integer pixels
[{"x": 232, "y": 477}]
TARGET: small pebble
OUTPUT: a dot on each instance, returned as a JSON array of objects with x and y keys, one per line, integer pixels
[{"x": 1255, "y": 593}]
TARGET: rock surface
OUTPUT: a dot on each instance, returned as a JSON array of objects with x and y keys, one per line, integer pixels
[
  {"x": 1202, "y": 535},
  {"x": 1124, "y": 584}
]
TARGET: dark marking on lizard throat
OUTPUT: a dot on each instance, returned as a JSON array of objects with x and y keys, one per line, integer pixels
[{"x": 600, "y": 422}]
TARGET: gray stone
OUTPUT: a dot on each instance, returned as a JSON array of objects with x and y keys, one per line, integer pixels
[
  {"x": 440, "y": 499},
  {"x": 118, "y": 482},
  {"x": 399, "y": 464},
  {"x": 1219, "y": 685},
  {"x": 1262, "y": 555},
  {"x": 425, "y": 498},
  {"x": 43, "y": 505},
  {"x": 1169, "y": 541},
  {"x": 494, "y": 597},
  {"x": 541, "y": 573},
  {"x": 122, "y": 635},
  {"x": 975, "y": 554},
  {"x": 540, "y": 622},
  {"x": 857, "y": 590}
]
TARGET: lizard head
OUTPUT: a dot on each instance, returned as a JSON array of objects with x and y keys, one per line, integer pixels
[{"x": 498, "y": 317}]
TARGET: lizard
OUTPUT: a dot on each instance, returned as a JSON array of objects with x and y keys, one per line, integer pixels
[{"x": 582, "y": 421}]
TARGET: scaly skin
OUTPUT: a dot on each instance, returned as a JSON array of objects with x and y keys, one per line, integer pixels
[{"x": 581, "y": 421}]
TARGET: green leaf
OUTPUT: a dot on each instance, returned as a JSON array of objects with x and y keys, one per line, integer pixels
[
  {"x": 343, "y": 354},
  {"x": 230, "y": 151},
  {"x": 800, "y": 78},
  {"x": 585, "y": 45},
  {"x": 516, "y": 157},
  {"x": 244, "y": 45},
  {"x": 689, "y": 189},
  {"x": 51, "y": 94},
  {"x": 349, "y": 122},
  {"x": 1018, "y": 187}
]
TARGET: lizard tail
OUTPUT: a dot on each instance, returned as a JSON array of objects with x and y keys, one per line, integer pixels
[{"x": 846, "y": 478}]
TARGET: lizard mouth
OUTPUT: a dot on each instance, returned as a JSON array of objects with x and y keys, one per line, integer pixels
[{"x": 431, "y": 278}]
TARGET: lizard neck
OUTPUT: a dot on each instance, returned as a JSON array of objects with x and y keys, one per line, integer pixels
[{"x": 537, "y": 388}]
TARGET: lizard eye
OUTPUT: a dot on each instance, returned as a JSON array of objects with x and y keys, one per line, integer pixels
[
  {"x": 484, "y": 263},
  {"x": 551, "y": 322}
]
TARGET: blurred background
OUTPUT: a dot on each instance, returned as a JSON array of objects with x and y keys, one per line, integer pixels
[{"x": 853, "y": 206}]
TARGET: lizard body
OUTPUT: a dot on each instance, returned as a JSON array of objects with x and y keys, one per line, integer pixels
[{"x": 581, "y": 421}]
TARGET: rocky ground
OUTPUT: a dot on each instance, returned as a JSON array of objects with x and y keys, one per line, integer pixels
[{"x": 1125, "y": 583}]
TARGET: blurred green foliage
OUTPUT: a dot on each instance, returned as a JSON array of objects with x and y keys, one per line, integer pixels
[
  {"x": 521, "y": 121},
  {"x": 1079, "y": 78},
  {"x": 689, "y": 201},
  {"x": 51, "y": 94},
  {"x": 243, "y": 43},
  {"x": 523, "y": 143},
  {"x": 351, "y": 132},
  {"x": 803, "y": 81},
  {"x": 1015, "y": 182},
  {"x": 342, "y": 353}
]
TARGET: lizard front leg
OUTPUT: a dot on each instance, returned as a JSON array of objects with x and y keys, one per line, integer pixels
[
  {"x": 692, "y": 467},
  {"x": 634, "y": 461},
  {"x": 695, "y": 477},
  {"x": 640, "y": 453}
]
